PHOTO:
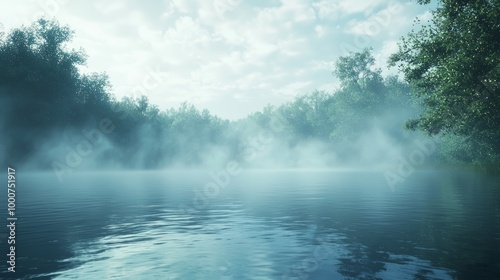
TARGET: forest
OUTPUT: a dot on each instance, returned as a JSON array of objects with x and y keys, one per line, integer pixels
[{"x": 57, "y": 118}]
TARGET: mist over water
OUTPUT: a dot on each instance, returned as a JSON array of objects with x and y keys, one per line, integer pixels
[
  {"x": 360, "y": 124},
  {"x": 380, "y": 177},
  {"x": 268, "y": 139}
]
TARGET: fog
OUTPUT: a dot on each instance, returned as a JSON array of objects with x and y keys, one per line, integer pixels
[
  {"x": 382, "y": 176},
  {"x": 63, "y": 121},
  {"x": 265, "y": 140}
]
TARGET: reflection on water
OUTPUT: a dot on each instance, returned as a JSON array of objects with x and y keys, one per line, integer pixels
[
  {"x": 233, "y": 247},
  {"x": 282, "y": 225}
]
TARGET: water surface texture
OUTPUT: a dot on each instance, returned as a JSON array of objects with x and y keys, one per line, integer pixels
[{"x": 262, "y": 225}]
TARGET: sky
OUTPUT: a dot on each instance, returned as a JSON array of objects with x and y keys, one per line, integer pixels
[{"x": 231, "y": 57}]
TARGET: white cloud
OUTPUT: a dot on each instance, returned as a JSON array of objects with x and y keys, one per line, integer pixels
[
  {"x": 184, "y": 6},
  {"x": 230, "y": 56},
  {"x": 386, "y": 21},
  {"x": 320, "y": 30},
  {"x": 110, "y": 7},
  {"x": 334, "y": 10},
  {"x": 294, "y": 88},
  {"x": 327, "y": 10},
  {"x": 361, "y": 6},
  {"x": 382, "y": 56},
  {"x": 187, "y": 32}
]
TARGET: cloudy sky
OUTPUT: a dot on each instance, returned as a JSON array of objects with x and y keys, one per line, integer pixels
[{"x": 229, "y": 56}]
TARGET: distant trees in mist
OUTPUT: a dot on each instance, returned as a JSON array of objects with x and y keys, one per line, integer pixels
[{"x": 46, "y": 102}]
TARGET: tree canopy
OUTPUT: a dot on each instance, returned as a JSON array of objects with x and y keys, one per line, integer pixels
[{"x": 454, "y": 63}]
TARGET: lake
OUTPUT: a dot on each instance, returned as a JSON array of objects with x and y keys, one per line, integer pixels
[{"x": 281, "y": 224}]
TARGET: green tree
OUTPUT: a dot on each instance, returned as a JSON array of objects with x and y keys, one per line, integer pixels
[
  {"x": 454, "y": 63},
  {"x": 41, "y": 89},
  {"x": 365, "y": 95},
  {"x": 309, "y": 115}
]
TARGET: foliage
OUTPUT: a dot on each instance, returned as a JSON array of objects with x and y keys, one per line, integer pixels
[
  {"x": 454, "y": 63},
  {"x": 43, "y": 93},
  {"x": 40, "y": 86}
]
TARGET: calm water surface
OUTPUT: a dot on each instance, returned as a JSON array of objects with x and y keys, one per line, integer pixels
[{"x": 262, "y": 225}]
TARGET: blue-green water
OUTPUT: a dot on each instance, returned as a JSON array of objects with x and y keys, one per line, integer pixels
[{"x": 262, "y": 225}]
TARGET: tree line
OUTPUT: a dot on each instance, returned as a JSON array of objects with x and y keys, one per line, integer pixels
[{"x": 449, "y": 92}]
